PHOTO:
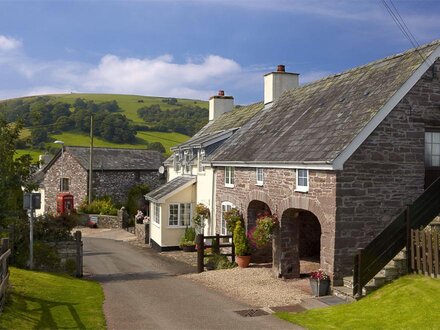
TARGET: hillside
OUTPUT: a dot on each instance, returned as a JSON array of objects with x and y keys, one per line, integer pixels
[{"x": 168, "y": 121}]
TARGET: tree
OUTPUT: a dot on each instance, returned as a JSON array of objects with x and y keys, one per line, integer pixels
[
  {"x": 38, "y": 136},
  {"x": 14, "y": 173},
  {"x": 156, "y": 146}
]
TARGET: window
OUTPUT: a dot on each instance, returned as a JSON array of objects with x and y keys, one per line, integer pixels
[
  {"x": 302, "y": 180},
  {"x": 201, "y": 159},
  {"x": 156, "y": 217},
  {"x": 226, "y": 206},
  {"x": 179, "y": 215},
  {"x": 176, "y": 162},
  {"x": 432, "y": 149},
  {"x": 229, "y": 176},
  {"x": 260, "y": 177},
  {"x": 64, "y": 184}
]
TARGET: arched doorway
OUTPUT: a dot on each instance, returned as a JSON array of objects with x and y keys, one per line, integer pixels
[
  {"x": 299, "y": 243},
  {"x": 255, "y": 209}
]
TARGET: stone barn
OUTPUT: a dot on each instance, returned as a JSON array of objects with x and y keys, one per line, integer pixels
[{"x": 115, "y": 171}]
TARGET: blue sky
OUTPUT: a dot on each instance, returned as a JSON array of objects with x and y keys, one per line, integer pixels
[{"x": 192, "y": 48}]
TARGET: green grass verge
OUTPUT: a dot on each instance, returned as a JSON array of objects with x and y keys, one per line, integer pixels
[
  {"x": 411, "y": 302},
  {"x": 129, "y": 103},
  {"x": 50, "y": 301}
]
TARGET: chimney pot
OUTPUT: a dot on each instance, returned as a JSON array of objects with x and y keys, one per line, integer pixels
[
  {"x": 281, "y": 68},
  {"x": 221, "y": 93}
]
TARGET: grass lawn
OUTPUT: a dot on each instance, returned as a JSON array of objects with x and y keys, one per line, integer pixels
[
  {"x": 411, "y": 302},
  {"x": 49, "y": 301}
]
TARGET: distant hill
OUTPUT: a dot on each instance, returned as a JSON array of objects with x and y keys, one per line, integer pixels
[{"x": 124, "y": 121}]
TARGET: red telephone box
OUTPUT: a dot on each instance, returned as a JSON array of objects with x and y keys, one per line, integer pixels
[{"x": 64, "y": 203}]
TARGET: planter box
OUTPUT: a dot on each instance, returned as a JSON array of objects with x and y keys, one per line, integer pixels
[{"x": 319, "y": 287}]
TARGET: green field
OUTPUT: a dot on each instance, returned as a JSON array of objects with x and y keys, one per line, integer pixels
[
  {"x": 129, "y": 103},
  {"x": 41, "y": 300},
  {"x": 411, "y": 302}
]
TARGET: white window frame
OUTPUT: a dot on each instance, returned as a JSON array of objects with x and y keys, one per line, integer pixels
[
  {"x": 259, "y": 174},
  {"x": 177, "y": 164},
  {"x": 156, "y": 217},
  {"x": 184, "y": 213},
  {"x": 432, "y": 149},
  {"x": 225, "y": 207},
  {"x": 302, "y": 187},
  {"x": 201, "y": 159},
  {"x": 229, "y": 176}
]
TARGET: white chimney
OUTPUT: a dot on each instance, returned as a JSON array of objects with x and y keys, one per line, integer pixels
[
  {"x": 220, "y": 104},
  {"x": 275, "y": 83}
]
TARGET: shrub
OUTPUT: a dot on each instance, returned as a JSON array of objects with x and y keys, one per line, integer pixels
[
  {"x": 46, "y": 257},
  {"x": 218, "y": 261},
  {"x": 99, "y": 206},
  {"x": 241, "y": 242},
  {"x": 262, "y": 234},
  {"x": 188, "y": 237},
  {"x": 135, "y": 199},
  {"x": 232, "y": 217}
]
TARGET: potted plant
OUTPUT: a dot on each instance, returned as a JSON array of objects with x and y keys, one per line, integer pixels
[
  {"x": 262, "y": 234},
  {"x": 242, "y": 247},
  {"x": 187, "y": 242},
  {"x": 319, "y": 283}
]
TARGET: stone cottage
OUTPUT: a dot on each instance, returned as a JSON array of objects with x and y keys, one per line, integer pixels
[
  {"x": 115, "y": 171},
  {"x": 336, "y": 159}
]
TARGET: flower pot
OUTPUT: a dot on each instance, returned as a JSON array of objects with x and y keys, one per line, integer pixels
[
  {"x": 319, "y": 287},
  {"x": 189, "y": 248},
  {"x": 243, "y": 261}
]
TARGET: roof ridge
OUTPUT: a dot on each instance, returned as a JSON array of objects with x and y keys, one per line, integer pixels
[{"x": 363, "y": 66}]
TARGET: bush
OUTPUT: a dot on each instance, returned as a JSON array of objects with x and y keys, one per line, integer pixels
[
  {"x": 189, "y": 237},
  {"x": 241, "y": 242},
  {"x": 99, "y": 206},
  {"x": 46, "y": 257},
  {"x": 218, "y": 261},
  {"x": 135, "y": 199},
  {"x": 232, "y": 217}
]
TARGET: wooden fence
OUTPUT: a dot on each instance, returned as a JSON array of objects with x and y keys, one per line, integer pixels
[
  {"x": 4, "y": 270},
  {"x": 424, "y": 253},
  {"x": 215, "y": 247}
]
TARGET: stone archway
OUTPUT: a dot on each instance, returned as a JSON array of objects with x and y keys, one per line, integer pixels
[
  {"x": 254, "y": 210},
  {"x": 297, "y": 242}
]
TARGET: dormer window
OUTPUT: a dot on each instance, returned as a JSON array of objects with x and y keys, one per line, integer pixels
[
  {"x": 201, "y": 159},
  {"x": 302, "y": 180},
  {"x": 177, "y": 164}
]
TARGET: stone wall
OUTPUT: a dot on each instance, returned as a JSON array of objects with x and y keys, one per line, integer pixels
[
  {"x": 142, "y": 232},
  {"x": 386, "y": 173},
  {"x": 117, "y": 183},
  {"x": 107, "y": 221},
  {"x": 67, "y": 167},
  {"x": 278, "y": 192}
]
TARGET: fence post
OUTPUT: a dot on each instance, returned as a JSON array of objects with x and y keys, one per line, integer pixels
[
  {"x": 408, "y": 238},
  {"x": 79, "y": 257},
  {"x": 200, "y": 253},
  {"x": 233, "y": 248},
  {"x": 216, "y": 247}
]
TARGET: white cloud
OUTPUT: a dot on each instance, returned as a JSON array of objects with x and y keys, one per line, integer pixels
[
  {"x": 8, "y": 43},
  {"x": 160, "y": 76}
]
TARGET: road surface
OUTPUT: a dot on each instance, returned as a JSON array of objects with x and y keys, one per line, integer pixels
[{"x": 142, "y": 291}]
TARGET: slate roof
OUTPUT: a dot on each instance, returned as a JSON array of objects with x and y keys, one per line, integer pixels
[
  {"x": 169, "y": 187},
  {"x": 316, "y": 122},
  {"x": 114, "y": 159}
]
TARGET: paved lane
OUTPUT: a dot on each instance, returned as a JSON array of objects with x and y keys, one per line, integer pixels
[{"x": 142, "y": 291}]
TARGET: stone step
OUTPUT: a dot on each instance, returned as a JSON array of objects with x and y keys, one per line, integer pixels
[
  {"x": 377, "y": 281},
  {"x": 344, "y": 293},
  {"x": 389, "y": 272},
  {"x": 348, "y": 281}
]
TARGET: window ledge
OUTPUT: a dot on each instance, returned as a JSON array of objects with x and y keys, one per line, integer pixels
[
  {"x": 259, "y": 184},
  {"x": 177, "y": 227},
  {"x": 228, "y": 185},
  {"x": 302, "y": 189}
]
